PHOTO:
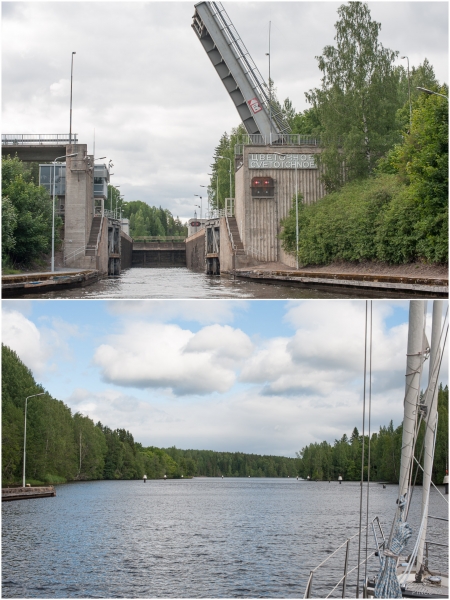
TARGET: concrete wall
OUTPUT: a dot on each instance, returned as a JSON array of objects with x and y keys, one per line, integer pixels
[
  {"x": 195, "y": 252},
  {"x": 126, "y": 250},
  {"x": 226, "y": 256},
  {"x": 259, "y": 218},
  {"x": 102, "y": 258}
]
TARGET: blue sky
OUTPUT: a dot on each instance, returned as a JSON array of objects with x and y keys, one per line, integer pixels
[{"x": 262, "y": 376}]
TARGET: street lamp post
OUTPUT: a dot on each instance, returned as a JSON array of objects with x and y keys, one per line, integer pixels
[
  {"x": 201, "y": 205},
  {"x": 111, "y": 201},
  {"x": 409, "y": 95},
  {"x": 231, "y": 189},
  {"x": 25, "y": 435},
  {"x": 71, "y": 79},
  {"x": 425, "y": 91},
  {"x": 270, "y": 90},
  {"x": 207, "y": 191},
  {"x": 217, "y": 188},
  {"x": 120, "y": 198},
  {"x": 53, "y": 211},
  {"x": 296, "y": 205}
]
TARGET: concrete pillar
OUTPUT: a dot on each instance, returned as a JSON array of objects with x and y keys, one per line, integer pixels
[{"x": 79, "y": 201}]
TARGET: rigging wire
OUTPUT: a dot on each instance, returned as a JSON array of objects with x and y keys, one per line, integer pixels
[
  {"x": 362, "y": 450},
  {"x": 437, "y": 368},
  {"x": 369, "y": 440}
]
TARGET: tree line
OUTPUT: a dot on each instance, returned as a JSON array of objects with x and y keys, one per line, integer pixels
[
  {"x": 324, "y": 461},
  {"x": 26, "y": 215},
  {"x": 146, "y": 220},
  {"x": 384, "y": 154},
  {"x": 62, "y": 446}
]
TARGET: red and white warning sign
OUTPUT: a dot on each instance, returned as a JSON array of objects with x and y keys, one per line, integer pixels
[{"x": 254, "y": 105}]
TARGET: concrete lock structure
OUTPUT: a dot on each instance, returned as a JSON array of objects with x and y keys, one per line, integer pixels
[
  {"x": 246, "y": 233},
  {"x": 271, "y": 163},
  {"x": 93, "y": 237}
]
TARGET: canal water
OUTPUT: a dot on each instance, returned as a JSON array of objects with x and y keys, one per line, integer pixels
[
  {"x": 141, "y": 283},
  {"x": 192, "y": 538}
]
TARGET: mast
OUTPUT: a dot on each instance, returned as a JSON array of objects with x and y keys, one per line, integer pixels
[
  {"x": 430, "y": 420},
  {"x": 414, "y": 361}
]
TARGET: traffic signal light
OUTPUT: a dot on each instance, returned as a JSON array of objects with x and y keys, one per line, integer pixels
[{"x": 262, "y": 187}]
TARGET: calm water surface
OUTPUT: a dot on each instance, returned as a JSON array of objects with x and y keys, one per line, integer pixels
[
  {"x": 139, "y": 283},
  {"x": 198, "y": 538}
]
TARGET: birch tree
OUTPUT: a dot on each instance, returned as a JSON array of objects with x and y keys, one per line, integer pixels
[{"x": 358, "y": 97}]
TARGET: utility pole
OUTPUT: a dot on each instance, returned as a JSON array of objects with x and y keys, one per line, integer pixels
[{"x": 71, "y": 80}]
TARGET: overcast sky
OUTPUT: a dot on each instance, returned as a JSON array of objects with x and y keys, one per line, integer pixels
[
  {"x": 143, "y": 82},
  {"x": 264, "y": 377}
]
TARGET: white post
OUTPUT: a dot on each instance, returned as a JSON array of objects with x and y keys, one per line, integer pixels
[
  {"x": 296, "y": 207},
  {"x": 431, "y": 419},
  {"x": 53, "y": 220},
  {"x": 25, "y": 436}
]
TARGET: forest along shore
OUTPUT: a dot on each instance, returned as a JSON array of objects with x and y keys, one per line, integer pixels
[{"x": 77, "y": 449}]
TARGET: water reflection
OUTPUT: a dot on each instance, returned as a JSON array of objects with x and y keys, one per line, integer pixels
[
  {"x": 142, "y": 283},
  {"x": 198, "y": 538}
]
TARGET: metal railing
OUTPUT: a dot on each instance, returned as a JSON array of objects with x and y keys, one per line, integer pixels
[
  {"x": 72, "y": 255},
  {"x": 254, "y": 251},
  {"x": 159, "y": 238},
  {"x": 249, "y": 67},
  {"x": 38, "y": 138},
  {"x": 292, "y": 139},
  {"x": 111, "y": 214},
  {"x": 343, "y": 579},
  {"x": 228, "y": 211}
]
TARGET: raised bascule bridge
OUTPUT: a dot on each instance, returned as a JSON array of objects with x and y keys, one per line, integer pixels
[{"x": 271, "y": 164}]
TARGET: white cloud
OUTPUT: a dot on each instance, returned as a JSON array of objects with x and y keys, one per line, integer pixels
[
  {"x": 37, "y": 347},
  {"x": 200, "y": 311},
  {"x": 326, "y": 352},
  {"x": 154, "y": 355},
  {"x": 22, "y": 336}
]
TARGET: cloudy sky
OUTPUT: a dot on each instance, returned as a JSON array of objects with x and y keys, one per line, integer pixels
[
  {"x": 265, "y": 377},
  {"x": 144, "y": 85}
]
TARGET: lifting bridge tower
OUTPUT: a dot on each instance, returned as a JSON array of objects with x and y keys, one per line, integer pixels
[
  {"x": 272, "y": 165},
  {"x": 238, "y": 72}
]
